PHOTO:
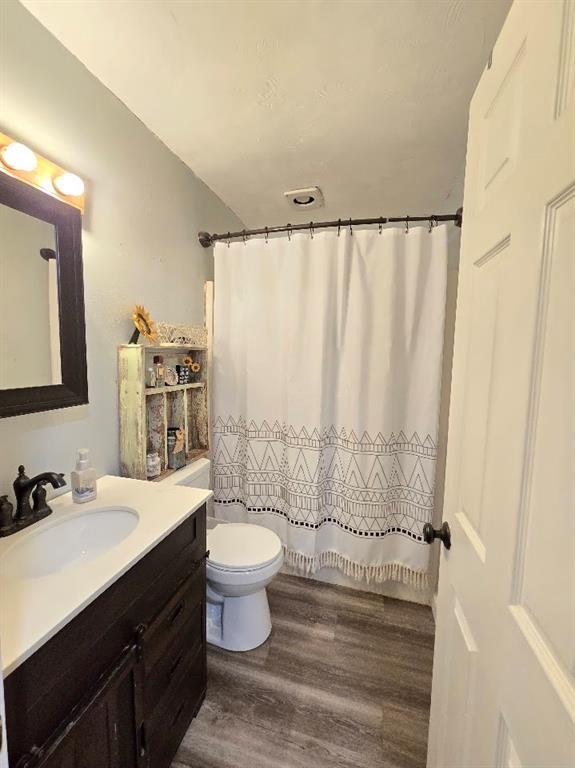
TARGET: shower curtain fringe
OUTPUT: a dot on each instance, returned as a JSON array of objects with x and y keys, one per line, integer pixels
[{"x": 308, "y": 565}]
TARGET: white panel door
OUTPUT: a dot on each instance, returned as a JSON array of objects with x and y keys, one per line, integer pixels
[{"x": 504, "y": 669}]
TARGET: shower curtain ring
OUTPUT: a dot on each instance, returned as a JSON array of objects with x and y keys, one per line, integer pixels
[
  {"x": 407, "y": 225},
  {"x": 380, "y": 227},
  {"x": 311, "y": 229},
  {"x": 244, "y": 236},
  {"x": 338, "y": 227},
  {"x": 289, "y": 232},
  {"x": 350, "y": 228},
  {"x": 267, "y": 235},
  {"x": 228, "y": 239}
]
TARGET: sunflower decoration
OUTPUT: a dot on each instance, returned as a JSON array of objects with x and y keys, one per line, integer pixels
[
  {"x": 192, "y": 365},
  {"x": 144, "y": 325}
]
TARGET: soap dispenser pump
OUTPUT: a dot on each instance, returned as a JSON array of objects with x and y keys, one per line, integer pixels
[{"x": 83, "y": 478}]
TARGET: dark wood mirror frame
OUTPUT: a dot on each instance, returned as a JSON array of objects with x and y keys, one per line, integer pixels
[{"x": 67, "y": 222}]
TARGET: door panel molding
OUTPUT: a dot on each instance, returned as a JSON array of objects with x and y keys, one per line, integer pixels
[
  {"x": 507, "y": 756},
  {"x": 459, "y": 694},
  {"x": 549, "y": 241},
  {"x": 550, "y": 665},
  {"x": 500, "y": 139},
  {"x": 566, "y": 68},
  {"x": 472, "y": 535},
  {"x": 478, "y": 387},
  {"x": 504, "y": 243}
]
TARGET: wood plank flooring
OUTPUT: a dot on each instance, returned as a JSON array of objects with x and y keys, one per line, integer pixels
[{"x": 344, "y": 681}]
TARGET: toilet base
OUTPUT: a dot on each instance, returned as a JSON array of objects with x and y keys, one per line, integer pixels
[{"x": 239, "y": 623}]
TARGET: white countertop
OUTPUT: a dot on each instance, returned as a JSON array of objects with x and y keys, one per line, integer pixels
[{"x": 33, "y": 610}]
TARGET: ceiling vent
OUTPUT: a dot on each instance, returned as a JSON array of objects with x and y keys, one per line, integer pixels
[{"x": 305, "y": 199}]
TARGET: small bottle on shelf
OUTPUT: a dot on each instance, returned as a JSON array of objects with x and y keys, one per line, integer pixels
[
  {"x": 159, "y": 370},
  {"x": 150, "y": 377},
  {"x": 153, "y": 465}
]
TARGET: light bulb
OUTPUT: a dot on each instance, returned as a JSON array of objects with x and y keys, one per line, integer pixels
[
  {"x": 18, "y": 157},
  {"x": 69, "y": 185}
]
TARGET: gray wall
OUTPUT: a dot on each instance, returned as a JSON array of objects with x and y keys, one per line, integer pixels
[{"x": 144, "y": 209}]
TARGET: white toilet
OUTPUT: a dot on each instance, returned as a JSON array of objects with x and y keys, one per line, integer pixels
[{"x": 242, "y": 562}]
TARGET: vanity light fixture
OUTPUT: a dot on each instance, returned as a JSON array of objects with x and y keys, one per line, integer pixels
[
  {"x": 69, "y": 185},
  {"x": 20, "y": 162},
  {"x": 18, "y": 157}
]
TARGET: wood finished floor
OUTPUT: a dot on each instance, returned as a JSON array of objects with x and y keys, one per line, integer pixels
[{"x": 344, "y": 681}]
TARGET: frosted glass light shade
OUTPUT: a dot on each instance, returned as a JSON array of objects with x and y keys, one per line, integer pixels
[
  {"x": 18, "y": 157},
  {"x": 69, "y": 184}
]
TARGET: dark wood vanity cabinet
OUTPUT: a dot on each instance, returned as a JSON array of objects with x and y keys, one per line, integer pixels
[{"x": 118, "y": 686}]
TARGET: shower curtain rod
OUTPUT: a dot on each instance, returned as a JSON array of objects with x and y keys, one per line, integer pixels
[{"x": 207, "y": 240}]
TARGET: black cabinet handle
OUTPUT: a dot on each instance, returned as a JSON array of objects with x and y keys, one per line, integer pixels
[
  {"x": 176, "y": 664},
  {"x": 141, "y": 739},
  {"x": 177, "y": 611},
  {"x": 197, "y": 563},
  {"x": 178, "y": 713},
  {"x": 139, "y": 640},
  {"x": 444, "y": 533}
]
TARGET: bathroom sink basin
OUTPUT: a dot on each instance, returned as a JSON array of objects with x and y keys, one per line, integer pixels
[{"x": 65, "y": 544}]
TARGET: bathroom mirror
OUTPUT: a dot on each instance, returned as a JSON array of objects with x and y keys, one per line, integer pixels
[{"x": 42, "y": 332}]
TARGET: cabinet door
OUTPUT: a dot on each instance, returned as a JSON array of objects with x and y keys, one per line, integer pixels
[{"x": 104, "y": 730}]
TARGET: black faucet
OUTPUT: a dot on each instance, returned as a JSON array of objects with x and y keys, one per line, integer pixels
[{"x": 24, "y": 487}]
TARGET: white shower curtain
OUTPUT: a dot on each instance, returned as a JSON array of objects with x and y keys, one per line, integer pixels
[{"x": 327, "y": 364}]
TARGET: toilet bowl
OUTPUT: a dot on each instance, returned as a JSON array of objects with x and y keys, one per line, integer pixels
[{"x": 243, "y": 560}]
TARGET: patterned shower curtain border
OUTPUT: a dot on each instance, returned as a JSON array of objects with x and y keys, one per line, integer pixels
[
  {"x": 308, "y": 565},
  {"x": 370, "y": 488}
]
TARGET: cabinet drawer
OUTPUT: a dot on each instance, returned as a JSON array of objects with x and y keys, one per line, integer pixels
[
  {"x": 169, "y": 622},
  {"x": 178, "y": 655},
  {"x": 185, "y": 565},
  {"x": 167, "y": 726}
]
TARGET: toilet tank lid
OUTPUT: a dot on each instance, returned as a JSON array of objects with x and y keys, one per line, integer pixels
[
  {"x": 196, "y": 475},
  {"x": 242, "y": 546}
]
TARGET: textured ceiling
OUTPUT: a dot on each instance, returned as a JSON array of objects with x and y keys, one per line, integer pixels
[{"x": 367, "y": 99}]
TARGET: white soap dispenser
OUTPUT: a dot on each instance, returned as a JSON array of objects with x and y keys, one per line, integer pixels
[{"x": 83, "y": 478}]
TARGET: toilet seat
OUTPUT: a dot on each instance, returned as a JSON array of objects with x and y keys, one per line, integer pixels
[
  {"x": 243, "y": 559},
  {"x": 242, "y": 547}
]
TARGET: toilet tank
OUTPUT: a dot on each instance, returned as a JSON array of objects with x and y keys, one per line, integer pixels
[{"x": 194, "y": 475}]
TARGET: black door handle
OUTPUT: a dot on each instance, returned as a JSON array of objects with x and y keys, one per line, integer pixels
[{"x": 444, "y": 533}]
